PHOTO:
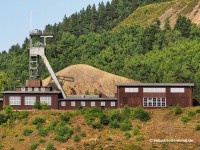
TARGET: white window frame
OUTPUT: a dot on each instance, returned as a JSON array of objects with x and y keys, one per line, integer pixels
[
  {"x": 154, "y": 102},
  {"x": 177, "y": 90},
  {"x": 29, "y": 89},
  {"x": 29, "y": 100},
  {"x": 14, "y": 100},
  {"x": 103, "y": 103},
  {"x": 154, "y": 90},
  {"x": 42, "y": 89},
  {"x": 46, "y": 99},
  {"x": 36, "y": 89},
  {"x": 82, "y": 103},
  {"x": 112, "y": 104},
  {"x": 63, "y": 103},
  {"x": 73, "y": 103},
  {"x": 93, "y": 104},
  {"x": 131, "y": 90},
  {"x": 23, "y": 89}
]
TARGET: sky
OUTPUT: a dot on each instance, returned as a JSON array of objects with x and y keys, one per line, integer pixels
[{"x": 16, "y": 20}]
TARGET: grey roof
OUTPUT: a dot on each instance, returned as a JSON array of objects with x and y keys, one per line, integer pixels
[
  {"x": 31, "y": 92},
  {"x": 157, "y": 84},
  {"x": 89, "y": 99}
]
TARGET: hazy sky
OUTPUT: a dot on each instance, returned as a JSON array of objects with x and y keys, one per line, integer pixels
[{"x": 15, "y": 16}]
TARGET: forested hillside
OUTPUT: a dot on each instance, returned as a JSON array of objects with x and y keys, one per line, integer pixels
[{"x": 146, "y": 54}]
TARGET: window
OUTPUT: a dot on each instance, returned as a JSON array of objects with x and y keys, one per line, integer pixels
[
  {"x": 43, "y": 89},
  {"x": 92, "y": 103},
  {"x": 23, "y": 89},
  {"x": 131, "y": 90},
  {"x": 45, "y": 99},
  {"x": 82, "y": 103},
  {"x": 29, "y": 100},
  {"x": 14, "y": 100},
  {"x": 35, "y": 89},
  {"x": 29, "y": 89},
  {"x": 63, "y": 103},
  {"x": 154, "y": 102},
  {"x": 112, "y": 104},
  {"x": 103, "y": 104},
  {"x": 177, "y": 90},
  {"x": 154, "y": 90},
  {"x": 73, "y": 103}
]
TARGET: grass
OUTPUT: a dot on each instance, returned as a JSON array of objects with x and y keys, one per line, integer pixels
[{"x": 164, "y": 124}]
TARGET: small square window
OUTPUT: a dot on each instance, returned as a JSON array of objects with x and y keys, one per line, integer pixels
[
  {"x": 92, "y": 103},
  {"x": 29, "y": 89},
  {"x": 43, "y": 89},
  {"x": 103, "y": 104},
  {"x": 35, "y": 89},
  {"x": 63, "y": 103},
  {"x": 82, "y": 103},
  {"x": 23, "y": 89},
  {"x": 112, "y": 104},
  {"x": 73, "y": 103}
]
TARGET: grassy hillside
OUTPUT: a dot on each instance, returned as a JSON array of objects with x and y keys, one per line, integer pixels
[
  {"x": 83, "y": 130},
  {"x": 146, "y": 15}
]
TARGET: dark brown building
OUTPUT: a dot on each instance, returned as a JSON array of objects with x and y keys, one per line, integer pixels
[
  {"x": 155, "y": 95},
  {"x": 1, "y": 103}
]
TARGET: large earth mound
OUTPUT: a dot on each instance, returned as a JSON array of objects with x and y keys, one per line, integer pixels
[{"x": 87, "y": 78}]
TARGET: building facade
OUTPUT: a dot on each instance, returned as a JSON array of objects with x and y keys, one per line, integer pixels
[{"x": 155, "y": 95}]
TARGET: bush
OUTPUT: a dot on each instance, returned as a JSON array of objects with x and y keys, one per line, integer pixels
[
  {"x": 178, "y": 109},
  {"x": 8, "y": 109},
  {"x": 50, "y": 146},
  {"x": 62, "y": 138},
  {"x": 3, "y": 118},
  {"x": 136, "y": 130},
  {"x": 117, "y": 116},
  {"x": 52, "y": 125},
  {"x": 97, "y": 125},
  {"x": 38, "y": 120},
  {"x": 34, "y": 146},
  {"x": 126, "y": 112},
  {"x": 191, "y": 113},
  {"x": 41, "y": 140},
  {"x": 104, "y": 119},
  {"x": 114, "y": 124},
  {"x": 198, "y": 111},
  {"x": 108, "y": 138},
  {"x": 140, "y": 114},
  {"x": 185, "y": 119},
  {"x": 43, "y": 132},
  {"x": 37, "y": 105},
  {"x": 45, "y": 106},
  {"x": 197, "y": 127},
  {"x": 66, "y": 116},
  {"x": 140, "y": 138},
  {"x": 126, "y": 126},
  {"x": 27, "y": 132},
  {"x": 78, "y": 129},
  {"x": 83, "y": 134},
  {"x": 76, "y": 138},
  {"x": 24, "y": 114},
  {"x": 127, "y": 135}
]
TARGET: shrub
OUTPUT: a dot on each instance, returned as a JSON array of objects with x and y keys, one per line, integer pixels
[
  {"x": 178, "y": 109},
  {"x": 38, "y": 120},
  {"x": 76, "y": 138},
  {"x": 127, "y": 135},
  {"x": 78, "y": 129},
  {"x": 41, "y": 140},
  {"x": 126, "y": 112},
  {"x": 104, "y": 119},
  {"x": 198, "y": 127},
  {"x": 108, "y": 138},
  {"x": 45, "y": 106},
  {"x": 140, "y": 114},
  {"x": 114, "y": 124},
  {"x": 198, "y": 111},
  {"x": 37, "y": 105},
  {"x": 61, "y": 138},
  {"x": 140, "y": 138},
  {"x": 83, "y": 134},
  {"x": 126, "y": 126},
  {"x": 136, "y": 130},
  {"x": 8, "y": 109},
  {"x": 191, "y": 113},
  {"x": 117, "y": 116},
  {"x": 34, "y": 146},
  {"x": 27, "y": 132},
  {"x": 97, "y": 125},
  {"x": 43, "y": 132},
  {"x": 24, "y": 114},
  {"x": 185, "y": 119},
  {"x": 3, "y": 118},
  {"x": 21, "y": 139},
  {"x": 52, "y": 125},
  {"x": 66, "y": 116},
  {"x": 50, "y": 146}
]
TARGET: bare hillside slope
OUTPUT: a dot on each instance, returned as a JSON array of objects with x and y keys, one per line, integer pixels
[{"x": 88, "y": 78}]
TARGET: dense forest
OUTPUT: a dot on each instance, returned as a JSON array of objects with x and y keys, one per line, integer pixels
[{"x": 147, "y": 54}]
